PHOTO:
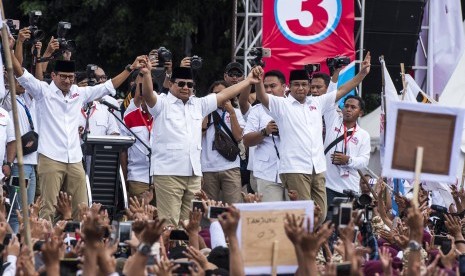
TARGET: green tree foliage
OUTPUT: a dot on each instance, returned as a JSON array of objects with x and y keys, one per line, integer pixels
[{"x": 111, "y": 33}]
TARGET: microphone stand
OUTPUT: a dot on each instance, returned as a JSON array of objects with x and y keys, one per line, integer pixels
[
  {"x": 86, "y": 133},
  {"x": 149, "y": 154}
]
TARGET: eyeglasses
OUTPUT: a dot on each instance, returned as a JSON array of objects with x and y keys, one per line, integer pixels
[
  {"x": 100, "y": 78},
  {"x": 64, "y": 77},
  {"x": 297, "y": 85},
  {"x": 233, "y": 74},
  {"x": 183, "y": 83}
]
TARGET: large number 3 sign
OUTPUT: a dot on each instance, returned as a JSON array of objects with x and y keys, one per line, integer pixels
[{"x": 307, "y": 21}]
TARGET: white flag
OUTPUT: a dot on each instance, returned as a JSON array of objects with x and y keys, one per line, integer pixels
[
  {"x": 446, "y": 43},
  {"x": 389, "y": 88}
]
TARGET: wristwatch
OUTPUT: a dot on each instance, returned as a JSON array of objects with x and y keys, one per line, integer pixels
[
  {"x": 263, "y": 132},
  {"x": 168, "y": 76},
  {"x": 414, "y": 246},
  {"x": 144, "y": 249},
  {"x": 9, "y": 164},
  {"x": 128, "y": 68}
]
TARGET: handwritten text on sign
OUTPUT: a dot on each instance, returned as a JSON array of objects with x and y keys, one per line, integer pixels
[{"x": 259, "y": 230}]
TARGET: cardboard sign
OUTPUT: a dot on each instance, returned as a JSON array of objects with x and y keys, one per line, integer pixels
[
  {"x": 263, "y": 223},
  {"x": 436, "y": 128}
]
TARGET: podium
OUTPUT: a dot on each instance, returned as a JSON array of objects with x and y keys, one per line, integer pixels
[{"x": 105, "y": 182}]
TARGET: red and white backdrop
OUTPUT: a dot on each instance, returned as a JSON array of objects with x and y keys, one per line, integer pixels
[{"x": 299, "y": 32}]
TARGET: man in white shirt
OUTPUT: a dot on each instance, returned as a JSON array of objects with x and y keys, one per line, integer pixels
[
  {"x": 177, "y": 132},
  {"x": 347, "y": 148},
  {"x": 261, "y": 131},
  {"x": 302, "y": 162},
  {"x": 60, "y": 155},
  {"x": 220, "y": 174}
]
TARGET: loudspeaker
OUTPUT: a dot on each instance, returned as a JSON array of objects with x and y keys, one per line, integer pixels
[
  {"x": 400, "y": 16},
  {"x": 396, "y": 47}
]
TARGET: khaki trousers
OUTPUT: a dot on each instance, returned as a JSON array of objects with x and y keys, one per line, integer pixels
[
  {"x": 227, "y": 182},
  {"x": 174, "y": 196},
  {"x": 56, "y": 176},
  {"x": 308, "y": 186},
  {"x": 271, "y": 191},
  {"x": 136, "y": 188}
]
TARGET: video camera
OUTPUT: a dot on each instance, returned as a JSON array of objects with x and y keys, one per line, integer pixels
[
  {"x": 311, "y": 68},
  {"x": 164, "y": 55},
  {"x": 62, "y": 30},
  {"x": 336, "y": 63},
  {"x": 36, "y": 33},
  {"x": 258, "y": 55},
  {"x": 90, "y": 73},
  {"x": 360, "y": 200},
  {"x": 438, "y": 218}
]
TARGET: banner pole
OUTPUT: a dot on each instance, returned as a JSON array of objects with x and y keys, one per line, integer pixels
[
  {"x": 416, "y": 183},
  {"x": 404, "y": 84},
  {"x": 19, "y": 147}
]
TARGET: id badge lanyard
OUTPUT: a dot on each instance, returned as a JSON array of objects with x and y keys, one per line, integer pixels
[{"x": 346, "y": 140}]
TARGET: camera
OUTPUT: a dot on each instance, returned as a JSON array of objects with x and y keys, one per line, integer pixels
[
  {"x": 36, "y": 33},
  {"x": 196, "y": 62},
  {"x": 311, "y": 68},
  {"x": 336, "y": 63},
  {"x": 62, "y": 30},
  {"x": 360, "y": 200},
  {"x": 90, "y": 73},
  {"x": 164, "y": 55},
  {"x": 13, "y": 25},
  {"x": 332, "y": 159},
  {"x": 258, "y": 54}
]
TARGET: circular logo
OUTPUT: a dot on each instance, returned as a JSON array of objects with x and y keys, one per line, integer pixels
[{"x": 307, "y": 21}]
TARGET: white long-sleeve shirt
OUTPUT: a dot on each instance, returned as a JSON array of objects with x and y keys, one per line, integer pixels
[
  {"x": 357, "y": 146},
  {"x": 60, "y": 114}
]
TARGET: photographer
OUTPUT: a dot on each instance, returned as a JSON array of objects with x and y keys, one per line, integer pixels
[
  {"x": 347, "y": 147},
  {"x": 60, "y": 155}
]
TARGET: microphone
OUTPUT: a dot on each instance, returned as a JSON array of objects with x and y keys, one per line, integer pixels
[{"x": 102, "y": 101}]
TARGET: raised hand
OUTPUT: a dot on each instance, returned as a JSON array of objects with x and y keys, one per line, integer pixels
[
  {"x": 252, "y": 198},
  {"x": 229, "y": 221},
  {"x": 366, "y": 64},
  {"x": 193, "y": 226},
  {"x": 23, "y": 35},
  {"x": 293, "y": 226},
  {"x": 386, "y": 260},
  {"x": 64, "y": 206},
  {"x": 152, "y": 231}
]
